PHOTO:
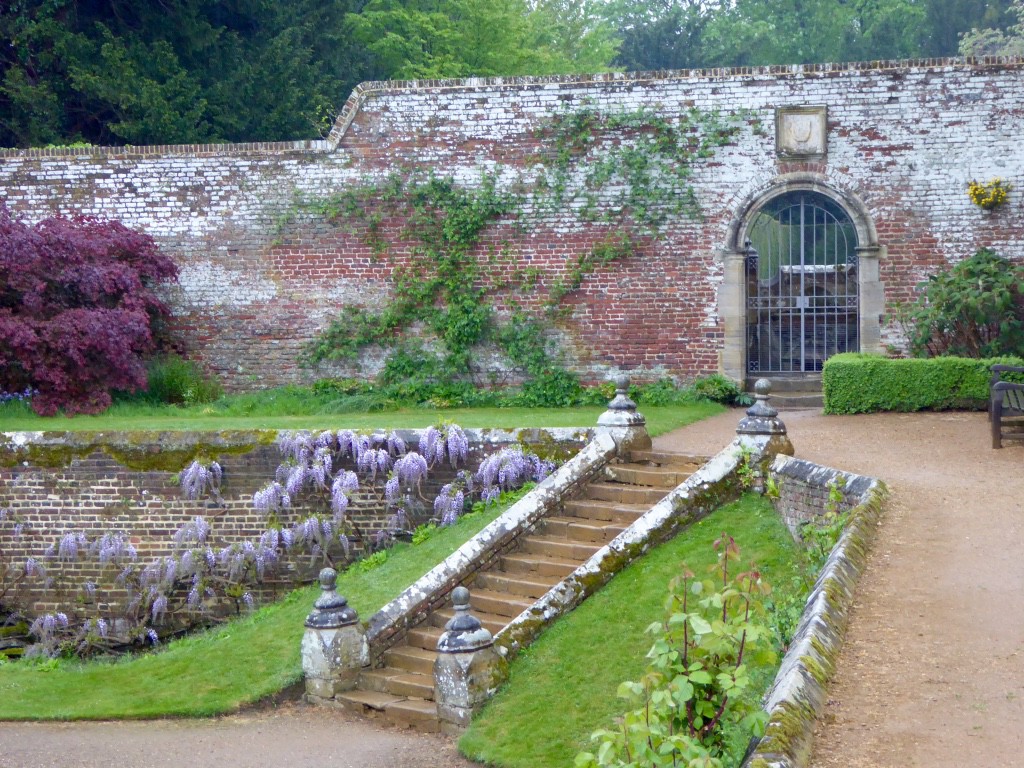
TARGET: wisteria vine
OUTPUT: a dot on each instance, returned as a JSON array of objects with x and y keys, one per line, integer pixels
[{"x": 201, "y": 580}]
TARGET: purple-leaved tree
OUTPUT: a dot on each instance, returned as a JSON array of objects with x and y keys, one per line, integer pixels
[{"x": 77, "y": 310}]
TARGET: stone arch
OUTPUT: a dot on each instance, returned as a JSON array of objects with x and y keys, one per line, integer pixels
[{"x": 732, "y": 295}]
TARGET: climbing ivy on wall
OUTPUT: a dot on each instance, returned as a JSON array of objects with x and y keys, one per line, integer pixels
[{"x": 628, "y": 170}]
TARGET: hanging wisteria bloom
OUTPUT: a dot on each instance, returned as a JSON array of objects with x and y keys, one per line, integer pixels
[
  {"x": 114, "y": 548},
  {"x": 272, "y": 498},
  {"x": 509, "y": 468},
  {"x": 396, "y": 445},
  {"x": 296, "y": 446},
  {"x": 197, "y": 480},
  {"x": 374, "y": 461},
  {"x": 449, "y": 503},
  {"x": 445, "y": 440},
  {"x": 70, "y": 546}
]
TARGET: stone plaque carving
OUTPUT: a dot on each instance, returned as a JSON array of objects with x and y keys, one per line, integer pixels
[{"x": 800, "y": 132}]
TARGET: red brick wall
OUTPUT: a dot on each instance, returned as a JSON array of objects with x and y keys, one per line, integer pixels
[{"x": 905, "y": 138}]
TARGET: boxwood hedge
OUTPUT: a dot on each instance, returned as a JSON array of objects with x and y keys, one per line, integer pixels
[{"x": 856, "y": 383}]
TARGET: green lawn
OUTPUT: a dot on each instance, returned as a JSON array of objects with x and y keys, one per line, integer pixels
[
  {"x": 216, "y": 671},
  {"x": 660, "y": 419},
  {"x": 563, "y": 687}
]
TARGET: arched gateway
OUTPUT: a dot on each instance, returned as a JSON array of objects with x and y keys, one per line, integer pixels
[{"x": 801, "y": 281}]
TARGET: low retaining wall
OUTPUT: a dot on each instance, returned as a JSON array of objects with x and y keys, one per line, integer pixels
[
  {"x": 798, "y": 694},
  {"x": 57, "y": 483}
]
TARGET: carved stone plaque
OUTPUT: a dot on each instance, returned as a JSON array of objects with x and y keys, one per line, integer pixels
[{"x": 800, "y": 132}]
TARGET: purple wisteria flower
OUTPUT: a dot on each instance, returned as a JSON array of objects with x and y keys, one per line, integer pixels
[
  {"x": 509, "y": 468},
  {"x": 196, "y": 480},
  {"x": 70, "y": 545},
  {"x": 272, "y": 498},
  {"x": 449, "y": 503},
  {"x": 193, "y": 533},
  {"x": 445, "y": 440},
  {"x": 114, "y": 548},
  {"x": 374, "y": 461},
  {"x": 396, "y": 445}
]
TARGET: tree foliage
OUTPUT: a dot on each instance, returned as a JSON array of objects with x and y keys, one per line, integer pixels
[
  {"x": 672, "y": 34},
  {"x": 77, "y": 310}
]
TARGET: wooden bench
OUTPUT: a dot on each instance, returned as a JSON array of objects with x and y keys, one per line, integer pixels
[{"x": 1006, "y": 406}]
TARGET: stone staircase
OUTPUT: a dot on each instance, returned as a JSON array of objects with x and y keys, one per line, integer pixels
[{"x": 402, "y": 691}]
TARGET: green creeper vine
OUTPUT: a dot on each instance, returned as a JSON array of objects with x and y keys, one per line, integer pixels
[{"x": 633, "y": 165}]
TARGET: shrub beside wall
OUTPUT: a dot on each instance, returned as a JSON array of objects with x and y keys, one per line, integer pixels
[{"x": 856, "y": 383}]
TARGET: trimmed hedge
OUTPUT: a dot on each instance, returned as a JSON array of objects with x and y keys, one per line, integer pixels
[{"x": 856, "y": 383}]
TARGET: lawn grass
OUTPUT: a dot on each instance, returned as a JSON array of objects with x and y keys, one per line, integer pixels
[
  {"x": 293, "y": 414},
  {"x": 563, "y": 687},
  {"x": 220, "y": 670}
]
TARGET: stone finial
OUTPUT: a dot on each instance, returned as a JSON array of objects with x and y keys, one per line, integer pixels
[
  {"x": 468, "y": 669},
  {"x": 621, "y": 401},
  {"x": 761, "y": 418},
  {"x": 621, "y": 411},
  {"x": 331, "y": 609},
  {"x": 464, "y": 633}
]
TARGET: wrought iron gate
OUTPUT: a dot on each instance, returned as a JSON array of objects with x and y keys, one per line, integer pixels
[{"x": 802, "y": 297}]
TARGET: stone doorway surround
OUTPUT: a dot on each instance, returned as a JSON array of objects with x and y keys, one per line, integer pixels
[{"x": 732, "y": 297}]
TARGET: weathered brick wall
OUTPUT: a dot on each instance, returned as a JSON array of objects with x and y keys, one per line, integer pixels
[
  {"x": 70, "y": 485},
  {"x": 904, "y": 138},
  {"x": 808, "y": 491}
]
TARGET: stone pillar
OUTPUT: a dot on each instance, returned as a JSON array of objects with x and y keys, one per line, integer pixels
[
  {"x": 872, "y": 299},
  {"x": 627, "y": 425},
  {"x": 733, "y": 314},
  {"x": 333, "y": 647},
  {"x": 468, "y": 669},
  {"x": 761, "y": 431}
]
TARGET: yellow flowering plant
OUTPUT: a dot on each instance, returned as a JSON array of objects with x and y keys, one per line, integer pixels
[{"x": 988, "y": 194}]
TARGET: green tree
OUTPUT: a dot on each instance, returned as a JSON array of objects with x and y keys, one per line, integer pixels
[
  {"x": 989, "y": 41},
  {"x": 460, "y": 38}
]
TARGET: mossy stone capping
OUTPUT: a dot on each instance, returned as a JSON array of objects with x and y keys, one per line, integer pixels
[{"x": 799, "y": 693}]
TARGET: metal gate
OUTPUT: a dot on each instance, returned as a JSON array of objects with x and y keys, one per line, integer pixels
[{"x": 802, "y": 297}]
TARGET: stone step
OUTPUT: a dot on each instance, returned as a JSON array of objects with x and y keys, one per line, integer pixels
[
  {"x": 603, "y": 511},
  {"x": 793, "y": 401},
  {"x": 398, "y": 682},
  {"x": 561, "y": 548},
  {"x": 411, "y": 659},
  {"x": 783, "y": 383},
  {"x": 624, "y": 494},
  {"x": 414, "y": 713},
  {"x": 366, "y": 703},
  {"x": 532, "y": 585},
  {"x": 667, "y": 459},
  {"x": 544, "y": 565},
  {"x": 498, "y": 603},
  {"x": 638, "y": 474},
  {"x": 491, "y": 622},
  {"x": 424, "y": 636},
  {"x": 575, "y": 529}
]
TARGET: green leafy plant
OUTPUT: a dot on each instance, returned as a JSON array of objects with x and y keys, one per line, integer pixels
[
  {"x": 175, "y": 380},
  {"x": 697, "y": 674},
  {"x": 975, "y": 309}
]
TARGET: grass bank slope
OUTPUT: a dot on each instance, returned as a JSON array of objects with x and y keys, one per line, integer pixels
[{"x": 563, "y": 687}]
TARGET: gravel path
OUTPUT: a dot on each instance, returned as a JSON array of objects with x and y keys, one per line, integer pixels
[{"x": 932, "y": 673}]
